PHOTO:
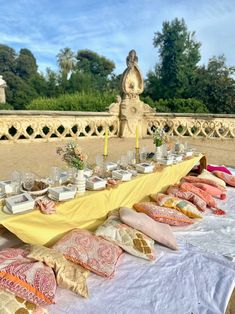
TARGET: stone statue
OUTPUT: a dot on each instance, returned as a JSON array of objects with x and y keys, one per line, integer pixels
[
  {"x": 132, "y": 84},
  {"x": 3, "y": 85},
  {"x": 131, "y": 111}
]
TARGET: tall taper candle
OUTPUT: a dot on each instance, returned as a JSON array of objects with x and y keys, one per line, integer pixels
[
  {"x": 137, "y": 137},
  {"x": 106, "y": 142}
]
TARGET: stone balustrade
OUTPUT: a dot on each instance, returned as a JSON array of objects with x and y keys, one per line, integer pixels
[
  {"x": 53, "y": 125},
  {"x": 211, "y": 126}
]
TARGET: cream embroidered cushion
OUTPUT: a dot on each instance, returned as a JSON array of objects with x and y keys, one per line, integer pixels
[
  {"x": 208, "y": 175},
  {"x": 185, "y": 207},
  {"x": 11, "y": 304},
  {"x": 92, "y": 252},
  {"x": 68, "y": 275},
  {"x": 129, "y": 239},
  {"x": 155, "y": 230}
]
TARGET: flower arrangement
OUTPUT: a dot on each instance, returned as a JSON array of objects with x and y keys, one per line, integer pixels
[
  {"x": 159, "y": 137},
  {"x": 73, "y": 156}
]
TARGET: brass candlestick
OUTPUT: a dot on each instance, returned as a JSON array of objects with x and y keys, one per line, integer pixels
[
  {"x": 137, "y": 155},
  {"x": 105, "y": 158}
]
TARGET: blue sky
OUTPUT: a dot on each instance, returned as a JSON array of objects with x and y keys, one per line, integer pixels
[{"x": 113, "y": 27}]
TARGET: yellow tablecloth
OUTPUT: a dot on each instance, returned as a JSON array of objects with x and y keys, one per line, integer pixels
[{"x": 89, "y": 210}]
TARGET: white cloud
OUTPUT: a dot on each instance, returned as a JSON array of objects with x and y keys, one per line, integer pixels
[{"x": 112, "y": 28}]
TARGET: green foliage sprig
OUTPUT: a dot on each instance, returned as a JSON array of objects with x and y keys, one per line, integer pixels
[
  {"x": 73, "y": 156},
  {"x": 159, "y": 137}
]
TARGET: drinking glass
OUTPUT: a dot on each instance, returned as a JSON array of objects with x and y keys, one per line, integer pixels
[
  {"x": 99, "y": 160},
  {"x": 143, "y": 153},
  {"x": 54, "y": 175},
  {"x": 16, "y": 179},
  {"x": 124, "y": 161},
  {"x": 28, "y": 181}
]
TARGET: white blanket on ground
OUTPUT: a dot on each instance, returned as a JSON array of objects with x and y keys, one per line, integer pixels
[
  {"x": 184, "y": 282},
  {"x": 215, "y": 234},
  {"x": 191, "y": 281}
]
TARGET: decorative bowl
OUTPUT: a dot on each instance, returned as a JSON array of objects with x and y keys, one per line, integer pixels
[{"x": 39, "y": 188}]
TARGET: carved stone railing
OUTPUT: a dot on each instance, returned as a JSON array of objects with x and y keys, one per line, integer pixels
[
  {"x": 193, "y": 125},
  {"x": 20, "y": 126},
  {"x": 51, "y": 125}
]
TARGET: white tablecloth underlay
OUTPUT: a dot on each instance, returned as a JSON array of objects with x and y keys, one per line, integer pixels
[
  {"x": 190, "y": 281},
  {"x": 215, "y": 234}
]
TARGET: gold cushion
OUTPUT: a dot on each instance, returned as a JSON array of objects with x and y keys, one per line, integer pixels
[
  {"x": 68, "y": 275},
  {"x": 9, "y": 303}
]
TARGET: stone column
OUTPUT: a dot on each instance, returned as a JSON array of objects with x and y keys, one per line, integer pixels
[{"x": 3, "y": 85}]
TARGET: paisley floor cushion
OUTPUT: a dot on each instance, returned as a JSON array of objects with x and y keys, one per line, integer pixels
[
  {"x": 30, "y": 280},
  {"x": 93, "y": 253}
]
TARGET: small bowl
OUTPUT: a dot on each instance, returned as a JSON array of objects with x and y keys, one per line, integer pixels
[{"x": 42, "y": 191}]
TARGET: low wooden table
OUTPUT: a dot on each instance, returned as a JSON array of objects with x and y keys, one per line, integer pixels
[{"x": 91, "y": 209}]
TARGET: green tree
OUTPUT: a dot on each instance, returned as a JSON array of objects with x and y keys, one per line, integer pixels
[
  {"x": 66, "y": 61},
  {"x": 26, "y": 66},
  {"x": 91, "y": 62},
  {"x": 7, "y": 59},
  {"x": 179, "y": 54},
  {"x": 215, "y": 86},
  {"x": 18, "y": 92}
]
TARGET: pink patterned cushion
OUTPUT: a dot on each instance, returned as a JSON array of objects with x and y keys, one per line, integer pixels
[
  {"x": 32, "y": 281},
  {"x": 174, "y": 190},
  {"x": 155, "y": 230},
  {"x": 219, "y": 168},
  {"x": 212, "y": 190},
  {"x": 92, "y": 252},
  {"x": 201, "y": 193},
  {"x": 166, "y": 215},
  {"x": 227, "y": 178},
  {"x": 191, "y": 179}
]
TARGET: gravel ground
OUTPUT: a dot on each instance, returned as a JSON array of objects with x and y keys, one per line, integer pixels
[{"x": 39, "y": 157}]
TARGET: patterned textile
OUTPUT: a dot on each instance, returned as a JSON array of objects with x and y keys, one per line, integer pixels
[
  {"x": 212, "y": 190},
  {"x": 208, "y": 175},
  {"x": 192, "y": 179},
  {"x": 227, "y": 178},
  {"x": 175, "y": 190},
  {"x": 183, "y": 206},
  {"x": 92, "y": 252},
  {"x": 68, "y": 275},
  {"x": 166, "y": 215},
  {"x": 157, "y": 231},
  {"x": 32, "y": 281},
  {"x": 203, "y": 194},
  {"x": 129, "y": 239},
  {"x": 46, "y": 205},
  {"x": 11, "y": 304}
]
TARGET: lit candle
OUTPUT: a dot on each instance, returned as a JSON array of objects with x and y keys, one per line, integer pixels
[
  {"x": 106, "y": 142},
  {"x": 137, "y": 138}
]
